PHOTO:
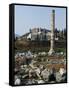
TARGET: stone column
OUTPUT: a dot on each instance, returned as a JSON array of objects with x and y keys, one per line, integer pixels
[{"x": 51, "y": 51}]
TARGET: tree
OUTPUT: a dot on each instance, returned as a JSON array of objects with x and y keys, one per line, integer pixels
[
  {"x": 65, "y": 33},
  {"x": 56, "y": 32}
]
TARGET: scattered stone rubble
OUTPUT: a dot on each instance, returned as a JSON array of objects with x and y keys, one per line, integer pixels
[
  {"x": 27, "y": 73},
  {"x": 17, "y": 81}
]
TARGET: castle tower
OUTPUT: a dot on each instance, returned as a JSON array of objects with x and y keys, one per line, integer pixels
[{"x": 51, "y": 51}]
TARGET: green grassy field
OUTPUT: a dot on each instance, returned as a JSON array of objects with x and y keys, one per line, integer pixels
[{"x": 37, "y": 46}]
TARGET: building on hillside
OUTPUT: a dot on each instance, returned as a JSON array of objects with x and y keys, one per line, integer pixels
[{"x": 40, "y": 34}]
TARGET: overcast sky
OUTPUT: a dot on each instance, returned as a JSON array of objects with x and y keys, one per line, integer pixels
[{"x": 27, "y": 17}]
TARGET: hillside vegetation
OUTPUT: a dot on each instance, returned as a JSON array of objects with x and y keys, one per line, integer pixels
[{"x": 36, "y": 46}]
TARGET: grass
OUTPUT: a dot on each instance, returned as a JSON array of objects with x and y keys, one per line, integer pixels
[
  {"x": 40, "y": 49},
  {"x": 36, "y": 46}
]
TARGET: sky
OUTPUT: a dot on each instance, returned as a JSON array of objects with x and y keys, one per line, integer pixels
[{"x": 28, "y": 17}]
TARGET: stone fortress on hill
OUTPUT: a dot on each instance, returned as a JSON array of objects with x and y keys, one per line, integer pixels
[{"x": 42, "y": 34}]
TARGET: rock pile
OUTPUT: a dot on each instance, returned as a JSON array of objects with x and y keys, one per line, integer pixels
[{"x": 26, "y": 72}]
